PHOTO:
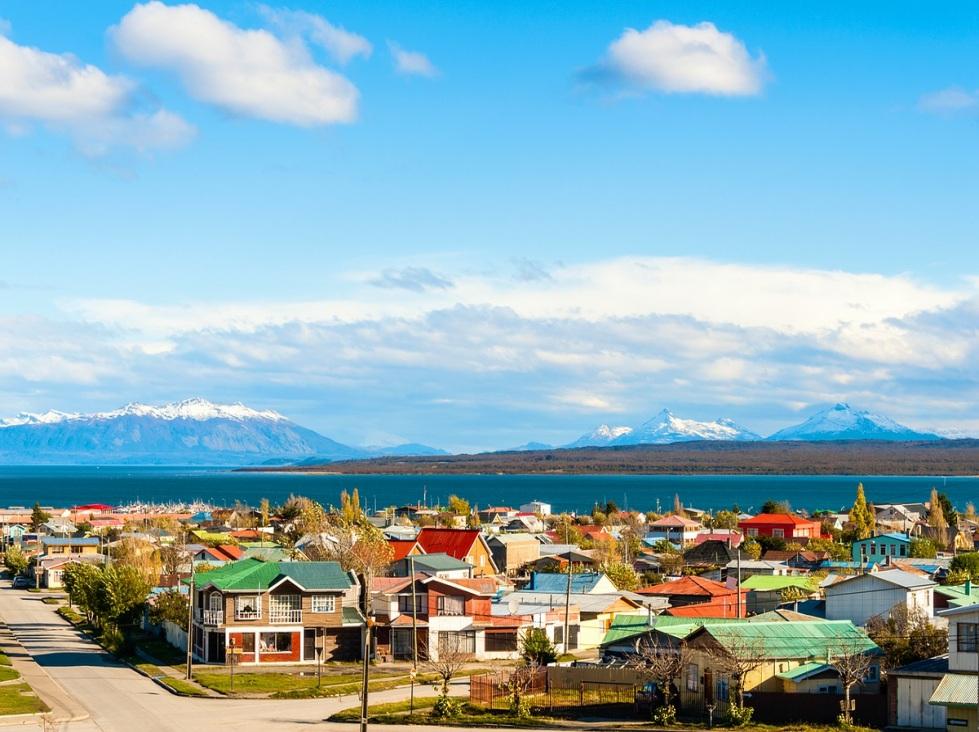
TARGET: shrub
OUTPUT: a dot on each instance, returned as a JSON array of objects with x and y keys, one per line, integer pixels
[
  {"x": 664, "y": 716},
  {"x": 739, "y": 716},
  {"x": 446, "y": 706}
]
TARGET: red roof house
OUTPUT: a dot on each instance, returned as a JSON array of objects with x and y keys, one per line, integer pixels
[
  {"x": 690, "y": 590},
  {"x": 781, "y": 526},
  {"x": 719, "y": 607},
  {"x": 403, "y": 547},
  {"x": 467, "y": 545}
]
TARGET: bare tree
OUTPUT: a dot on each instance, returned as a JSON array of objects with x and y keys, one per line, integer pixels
[
  {"x": 518, "y": 684},
  {"x": 851, "y": 661},
  {"x": 661, "y": 662},
  {"x": 449, "y": 660},
  {"x": 737, "y": 657}
]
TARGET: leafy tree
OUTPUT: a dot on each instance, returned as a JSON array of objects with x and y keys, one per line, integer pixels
[
  {"x": 678, "y": 505},
  {"x": 459, "y": 506},
  {"x": 536, "y": 648},
  {"x": 725, "y": 520},
  {"x": 968, "y": 563},
  {"x": 861, "y": 521},
  {"x": 171, "y": 606},
  {"x": 751, "y": 548},
  {"x": 264, "y": 510},
  {"x": 15, "y": 560},
  {"x": 906, "y": 636},
  {"x": 123, "y": 592},
  {"x": 949, "y": 512},
  {"x": 84, "y": 585},
  {"x": 837, "y": 551},
  {"x": 923, "y": 549},
  {"x": 772, "y": 506},
  {"x": 623, "y": 576},
  {"x": 38, "y": 517},
  {"x": 610, "y": 508},
  {"x": 771, "y": 543}
]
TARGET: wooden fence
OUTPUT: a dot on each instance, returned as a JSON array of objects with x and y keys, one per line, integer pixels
[{"x": 554, "y": 689}]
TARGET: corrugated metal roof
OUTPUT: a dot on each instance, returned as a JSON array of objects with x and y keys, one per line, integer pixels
[
  {"x": 811, "y": 639},
  {"x": 803, "y": 672},
  {"x": 558, "y": 582},
  {"x": 438, "y": 562},
  {"x": 959, "y": 690},
  {"x": 777, "y": 582},
  {"x": 254, "y": 574}
]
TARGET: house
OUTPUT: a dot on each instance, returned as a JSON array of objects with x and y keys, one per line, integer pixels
[
  {"x": 58, "y": 525},
  {"x": 597, "y": 612},
  {"x": 878, "y": 548},
  {"x": 864, "y": 596},
  {"x": 277, "y": 612},
  {"x": 731, "y": 537},
  {"x": 587, "y": 583},
  {"x": 957, "y": 691},
  {"x": 752, "y": 567},
  {"x": 804, "y": 560},
  {"x": 49, "y": 569},
  {"x": 781, "y": 526},
  {"x": 767, "y": 592},
  {"x": 447, "y": 615},
  {"x": 947, "y": 596},
  {"x": 537, "y": 507},
  {"x": 468, "y": 545},
  {"x": 512, "y": 551},
  {"x": 14, "y": 533},
  {"x": 432, "y": 565},
  {"x": 215, "y": 555},
  {"x": 720, "y": 607},
  {"x": 402, "y": 548},
  {"x": 909, "y": 689},
  {"x": 547, "y": 615},
  {"x": 898, "y": 516},
  {"x": 677, "y": 530},
  {"x": 496, "y": 514},
  {"x": 690, "y": 590},
  {"x": 525, "y": 522},
  {"x": 51, "y": 545},
  {"x": 712, "y": 553},
  {"x": 557, "y": 562}
]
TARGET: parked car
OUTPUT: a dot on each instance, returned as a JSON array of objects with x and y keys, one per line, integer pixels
[{"x": 21, "y": 582}]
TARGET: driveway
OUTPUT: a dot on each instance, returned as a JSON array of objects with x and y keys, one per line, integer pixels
[{"x": 117, "y": 699}]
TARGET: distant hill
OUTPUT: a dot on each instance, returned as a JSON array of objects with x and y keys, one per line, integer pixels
[
  {"x": 823, "y": 457},
  {"x": 189, "y": 432}
]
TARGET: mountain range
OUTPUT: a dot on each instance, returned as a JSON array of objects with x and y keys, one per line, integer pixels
[
  {"x": 200, "y": 432},
  {"x": 840, "y": 422},
  {"x": 189, "y": 432}
]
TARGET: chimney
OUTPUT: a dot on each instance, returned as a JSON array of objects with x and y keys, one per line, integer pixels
[{"x": 968, "y": 587}]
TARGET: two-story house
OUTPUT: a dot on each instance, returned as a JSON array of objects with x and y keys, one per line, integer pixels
[
  {"x": 277, "y": 612},
  {"x": 453, "y": 615},
  {"x": 468, "y": 545},
  {"x": 878, "y": 548},
  {"x": 51, "y": 545},
  {"x": 781, "y": 526},
  {"x": 865, "y": 596},
  {"x": 677, "y": 530},
  {"x": 958, "y": 691}
]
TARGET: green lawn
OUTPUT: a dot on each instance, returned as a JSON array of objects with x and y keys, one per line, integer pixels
[
  {"x": 52, "y": 601},
  {"x": 182, "y": 686},
  {"x": 7, "y": 673},
  {"x": 284, "y": 683},
  {"x": 470, "y": 716},
  {"x": 19, "y": 699},
  {"x": 4, "y": 661}
]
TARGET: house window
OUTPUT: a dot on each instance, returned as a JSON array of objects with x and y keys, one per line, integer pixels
[
  {"x": 247, "y": 642},
  {"x": 324, "y": 604},
  {"x": 904, "y": 550},
  {"x": 873, "y": 547},
  {"x": 462, "y": 641},
  {"x": 693, "y": 677},
  {"x": 449, "y": 605},
  {"x": 778, "y": 533},
  {"x": 215, "y": 602},
  {"x": 501, "y": 641},
  {"x": 248, "y": 607},
  {"x": 285, "y": 609},
  {"x": 752, "y": 532},
  {"x": 966, "y": 637},
  {"x": 404, "y": 603},
  {"x": 872, "y": 675},
  {"x": 275, "y": 643},
  {"x": 721, "y": 688},
  {"x": 559, "y": 634}
]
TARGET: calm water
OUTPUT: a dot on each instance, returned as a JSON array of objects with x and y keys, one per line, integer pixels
[{"x": 65, "y": 486}]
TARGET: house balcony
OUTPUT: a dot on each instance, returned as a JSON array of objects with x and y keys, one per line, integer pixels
[
  {"x": 285, "y": 616},
  {"x": 210, "y": 617},
  {"x": 248, "y": 614}
]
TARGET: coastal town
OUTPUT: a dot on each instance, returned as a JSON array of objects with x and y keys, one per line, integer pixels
[{"x": 474, "y": 615}]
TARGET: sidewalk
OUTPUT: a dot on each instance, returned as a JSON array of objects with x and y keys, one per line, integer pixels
[
  {"x": 172, "y": 673},
  {"x": 63, "y": 707}
]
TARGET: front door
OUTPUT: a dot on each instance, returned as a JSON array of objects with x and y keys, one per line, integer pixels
[
  {"x": 309, "y": 644},
  {"x": 708, "y": 687},
  {"x": 215, "y": 647}
]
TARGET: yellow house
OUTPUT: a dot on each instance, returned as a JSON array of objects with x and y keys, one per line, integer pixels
[{"x": 71, "y": 545}]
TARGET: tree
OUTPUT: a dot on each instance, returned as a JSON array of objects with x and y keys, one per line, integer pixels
[
  {"x": 852, "y": 663},
  {"x": 837, "y": 551},
  {"x": 623, "y": 576},
  {"x": 450, "y": 660},
  {"x": 15, "y": 560},
  {"x": 751, "y": 548},
  {"x": 170, "y": 606},
  {"x": 970, "y": 511},
  {"x": 861, "y": 521},
  {"x": 906, "y": 636},
  {"x": 738, "y": 658},
  {"x": 923, "y": 549},
  {"x": 937, "y": 519},
  {"x": 459, "y": 506},
  {"x": 536, "y": 648},
  {"x": 140, "y": 554},
  {"x": 948, "y": 510},
  {"x": 663, "y": 664},
  {"x": 123, "y": 591},
  {"x": 967, "y": 563},
  {"x": 38, "y": 517},
  {"x": 772, "y": 506},
  {"x": 725, "y": 520},
  {"x": 263, "y": 510},
  {"x": 84, "y": 585},
  {"x": 678, "y": 506}
]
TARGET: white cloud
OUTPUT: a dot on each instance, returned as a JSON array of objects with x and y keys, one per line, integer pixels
[
  {"x": 948, "y": 101},
  {"x": 411, "y": 63},
  {"x": 674, "y": 58},
  {"x": 245, "y": 72},
  {"x": 338, "y": 42},
  {"x": 70, "y": 96}
]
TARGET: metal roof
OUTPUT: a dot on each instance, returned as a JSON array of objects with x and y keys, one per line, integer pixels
[
  {"x": 807, "y": 639},
  {"x": 765, "y": 582},
  {"x": 929, "y": 667},
  {"x": 897, "y": 577},
  {"x": 805, "y": 671},
  {"x": 558, "y": 582},
  {"x": 439, "y": 562},
  {"x": 960, "y": 690},
  {"x": 254, "y": 574}
]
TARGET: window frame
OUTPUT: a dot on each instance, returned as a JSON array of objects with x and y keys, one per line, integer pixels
[
  {"x": 263, "y": 647},
  {"x": 241, "y": 614},
  {"x": 329, "y": 600},
  {"x": 444, "y": 600},
  {"x": 964, "y": 644}
]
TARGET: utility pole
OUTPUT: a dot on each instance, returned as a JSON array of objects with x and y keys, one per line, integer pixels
[
  {"x": 190, "y": 621},
  {"x": 567, "y": 594},
  {"x": 414, "y": 632},
  {"x": 368, "y": 623}
]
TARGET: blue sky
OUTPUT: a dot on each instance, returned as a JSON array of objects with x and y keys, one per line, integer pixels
[{"x": 539, "y": 221}]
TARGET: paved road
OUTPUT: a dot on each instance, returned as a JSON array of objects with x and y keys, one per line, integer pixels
[{"x": 117, "y": 699}]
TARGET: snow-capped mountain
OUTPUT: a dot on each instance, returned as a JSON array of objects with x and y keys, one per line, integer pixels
[
  {"x": 189, "y": 432},
  {"x": 666, "y": 428},
  {"x": 843, "y": 422},
  {"x": 663, "y": 429},
  {"x": 600, "y": 436}
]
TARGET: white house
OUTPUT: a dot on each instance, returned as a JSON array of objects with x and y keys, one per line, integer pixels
[
  {"x": 675, "y": 529},
  {"x": 865, "y": 596},
  {"x": 957, "y": 691},
  {"x": 913, "y": 686},
  {"x": 538, "y": 507}
]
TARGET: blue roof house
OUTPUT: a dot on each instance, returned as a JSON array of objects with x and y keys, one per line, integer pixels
[{"x": 587, "y": 583}]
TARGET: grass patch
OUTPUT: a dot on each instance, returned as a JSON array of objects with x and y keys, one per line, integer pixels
[
  {"x": 469, "y": 716},
  {"x": 353, "y": 713},
  {"x": 7, "y": 673},
  {"x": 288, "y": 686},
  {"x": 52, "y": 601},
  {"x": 182, "y": 686},
  {"x": 4, "y": 661},
  {"x": 20, "y": 699},
  {"x": 162, "y": 651},
  {"x": 71, "y": 615}
]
